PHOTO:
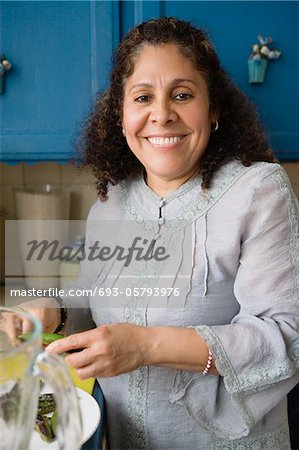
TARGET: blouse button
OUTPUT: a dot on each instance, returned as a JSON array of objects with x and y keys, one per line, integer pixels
[{"x": 161, "y": 220}]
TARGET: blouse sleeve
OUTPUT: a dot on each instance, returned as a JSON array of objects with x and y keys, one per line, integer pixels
[{"x": 257, "y": 354}]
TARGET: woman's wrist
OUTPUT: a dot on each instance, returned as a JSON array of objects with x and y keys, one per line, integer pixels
[
  {"x": 148, "y": 339},
  {"x": 177, "y": 347},
  {"x": 156, "y": 345},
  {"x": 62, "y": 315}
]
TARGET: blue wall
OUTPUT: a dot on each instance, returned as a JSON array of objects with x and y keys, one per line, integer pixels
[{"x": 61, "y": 54}]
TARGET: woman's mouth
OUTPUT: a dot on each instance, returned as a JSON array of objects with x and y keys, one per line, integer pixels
[{"x": 166, "y": 141}]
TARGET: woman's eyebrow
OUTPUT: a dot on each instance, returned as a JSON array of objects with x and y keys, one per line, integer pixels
[
  {"x": 138, "y": 85},
  {"x": 173, "y": 82},
  {"x": 182, "y": 80}
]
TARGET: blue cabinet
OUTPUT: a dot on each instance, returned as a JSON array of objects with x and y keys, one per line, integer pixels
[{"x": 61, "y": 53}]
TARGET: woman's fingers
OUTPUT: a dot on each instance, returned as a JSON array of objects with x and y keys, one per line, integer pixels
[
  {"x": 46, "y": 310},
  {"x": 108, "y": 350},
  {"x": 86, "y": 372},
  {"x": 11, "y": 324},
  {"x": 68, "y": 344},
  {"x": 81, "y": 359},
  {"x": 27, "y": 326}
]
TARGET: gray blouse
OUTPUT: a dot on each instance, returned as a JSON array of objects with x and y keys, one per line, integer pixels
[{"x": 228, "y": 266}]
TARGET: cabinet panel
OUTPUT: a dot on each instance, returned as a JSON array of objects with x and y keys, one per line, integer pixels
[{"x": 59, "y": 64}]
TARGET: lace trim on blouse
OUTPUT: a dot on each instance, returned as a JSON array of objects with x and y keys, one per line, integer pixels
[
  {"x": 279, "y": 440},
  {"x": 186, "y": 214},
  {"x": 291, "y": 201},
  {"x": 224, "y": 366}
]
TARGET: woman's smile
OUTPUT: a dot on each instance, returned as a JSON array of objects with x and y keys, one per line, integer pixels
[
  {"x": 166, "y": 116},
  {"x": 166, "y": 141}
]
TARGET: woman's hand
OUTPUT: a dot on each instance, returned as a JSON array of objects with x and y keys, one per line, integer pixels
[
  {"x": 46, "y": 310},
  {"x": 106, "y": 351},
  {"x": 111, "y": 350}
]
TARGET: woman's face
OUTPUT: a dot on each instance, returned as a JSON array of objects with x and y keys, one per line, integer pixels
[{"x": 166, "y": 116}]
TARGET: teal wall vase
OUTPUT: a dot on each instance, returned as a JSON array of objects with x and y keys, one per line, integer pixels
[{"x": 257, "y": 70}]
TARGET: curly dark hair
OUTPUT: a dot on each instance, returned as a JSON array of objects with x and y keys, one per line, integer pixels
[{"x": 240, "y": 135}]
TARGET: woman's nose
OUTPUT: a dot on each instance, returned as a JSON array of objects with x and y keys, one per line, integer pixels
[{"x": 163, "y": 112}]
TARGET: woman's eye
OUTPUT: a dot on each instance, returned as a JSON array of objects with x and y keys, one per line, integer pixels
[
  {"x": 182, "y": 96},
  {"x": 142, "y": 99}
]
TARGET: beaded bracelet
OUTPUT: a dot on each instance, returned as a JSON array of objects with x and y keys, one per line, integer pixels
[
  {"x": 209, "y": 364},
  {"x": 63, "y": 315}
]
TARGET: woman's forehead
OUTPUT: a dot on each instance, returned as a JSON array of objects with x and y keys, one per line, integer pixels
[
  {"x": 147, "y": 51},
  {"x": 164, "y": 59}
]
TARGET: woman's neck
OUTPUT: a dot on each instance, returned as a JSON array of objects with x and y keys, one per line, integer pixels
[{"x": 164, "y": 187}]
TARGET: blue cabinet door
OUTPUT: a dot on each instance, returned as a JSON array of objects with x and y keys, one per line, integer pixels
[{"x": 61, "y": 55}]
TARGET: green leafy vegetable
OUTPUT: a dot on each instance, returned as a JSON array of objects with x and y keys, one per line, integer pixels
[
  {"x": 47, "y": 338},
  {"x": 43, "y": 427}
]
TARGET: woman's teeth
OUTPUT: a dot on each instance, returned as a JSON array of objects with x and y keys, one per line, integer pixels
[{"x": 165, "y": 141}]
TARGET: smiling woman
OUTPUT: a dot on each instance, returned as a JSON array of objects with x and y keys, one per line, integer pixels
[
  {"x": 197, "y": 349},
  {"x": 166, "y": 116}
]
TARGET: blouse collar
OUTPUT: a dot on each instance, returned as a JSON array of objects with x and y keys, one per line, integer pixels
[{"x": 155, "y": 199}]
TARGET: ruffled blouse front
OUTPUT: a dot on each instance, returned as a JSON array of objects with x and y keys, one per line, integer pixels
[{"x": 227, "y": 266}]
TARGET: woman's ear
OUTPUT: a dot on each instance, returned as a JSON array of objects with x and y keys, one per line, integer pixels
[{"x": 215, "y": 115}]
